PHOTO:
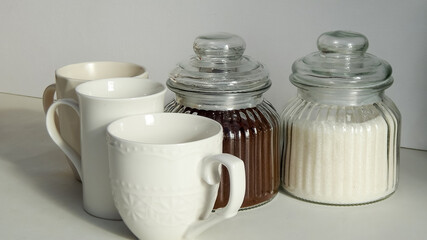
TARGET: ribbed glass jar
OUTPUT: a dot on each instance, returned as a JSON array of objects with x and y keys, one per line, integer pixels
[
  {"x": 222, "y": 84},
  {"x": 342, "y": 134}
]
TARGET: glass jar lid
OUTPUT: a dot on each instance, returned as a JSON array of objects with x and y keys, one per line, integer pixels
[
  {"x": 342, "y": 63},
  {"x": 219, "y": 67}
]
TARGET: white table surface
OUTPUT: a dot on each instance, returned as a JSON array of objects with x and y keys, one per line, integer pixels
[{"x": 41, "y": 200}]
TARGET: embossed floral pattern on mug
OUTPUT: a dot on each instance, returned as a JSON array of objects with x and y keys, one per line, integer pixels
[{"x": 155, "y": 205}]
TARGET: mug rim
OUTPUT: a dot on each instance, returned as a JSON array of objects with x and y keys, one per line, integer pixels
[
  {"x": 59, "y": 71},
  {"x": 112, "y": 137},
  {"x": 161, "y": 89}
]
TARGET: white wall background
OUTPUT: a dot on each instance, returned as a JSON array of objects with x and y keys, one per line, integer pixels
[{"x": 39, "y": 36}]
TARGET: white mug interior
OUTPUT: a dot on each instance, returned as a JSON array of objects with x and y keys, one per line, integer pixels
[
  {"x": 99, "y": 70},
  {"x": 121, "y": 88},
  {"x": 164, "y": 128}
]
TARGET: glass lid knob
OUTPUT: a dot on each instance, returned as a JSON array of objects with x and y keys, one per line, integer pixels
[
  {"x": 342, "y": 42},
  {"x": 219, "y": 46}
]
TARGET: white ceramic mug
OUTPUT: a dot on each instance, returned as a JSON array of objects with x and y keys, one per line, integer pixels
[
  {"x": 165, "y": 170},
  {"x": 99, "y": 103},
  {"x": 67, "y": 78}
]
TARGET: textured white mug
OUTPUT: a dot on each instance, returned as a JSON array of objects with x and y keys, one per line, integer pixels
[
  {"x": 165, "y": 171},
  {"x": 100, "y": 103},
  {"x": 67, "y": 78}
]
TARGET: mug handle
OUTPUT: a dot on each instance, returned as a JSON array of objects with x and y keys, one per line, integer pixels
[
  {"x": 48, "y": 99},
  {"x": 211, "y": 174},
  {"x": 57, "y": 138}
]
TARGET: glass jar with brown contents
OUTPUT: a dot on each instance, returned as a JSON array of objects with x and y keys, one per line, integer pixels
[{"x": 222, "y": 84}]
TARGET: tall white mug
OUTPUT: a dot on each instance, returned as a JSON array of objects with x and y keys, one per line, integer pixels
[
  {"x": 99, "y": 103},
  {"x": 165, "y": 170},
  {"x": 67, "y": 78}
]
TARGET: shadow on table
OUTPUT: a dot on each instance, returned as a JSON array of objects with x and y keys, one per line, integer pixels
[{"x": 25, "y": 143}]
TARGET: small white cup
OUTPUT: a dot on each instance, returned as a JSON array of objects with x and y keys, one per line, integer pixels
[
  {"x": 67, "y": 78},
  {"x": 165, "y": 171},
  {"x": 100, "y": 103}
]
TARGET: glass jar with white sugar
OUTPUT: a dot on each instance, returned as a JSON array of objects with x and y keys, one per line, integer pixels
[{"x": 342, "y": 133}]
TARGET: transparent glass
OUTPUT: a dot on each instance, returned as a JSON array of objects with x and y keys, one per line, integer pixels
[
  {"x": 341, "y": 132},
  {"x": 252, "y": 134},
  {"x": 222, "y": 84}
]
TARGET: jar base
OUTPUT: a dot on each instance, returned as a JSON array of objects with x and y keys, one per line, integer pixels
[
  {"x": 258, "y": 204},
  {"x": 338, "y": 203}
]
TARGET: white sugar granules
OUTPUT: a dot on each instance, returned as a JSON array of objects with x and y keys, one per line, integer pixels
[{"x": 340, "y": 163}]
